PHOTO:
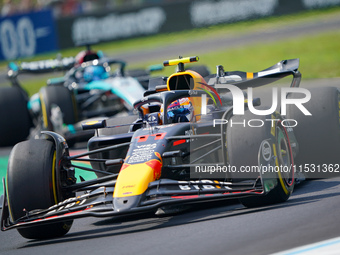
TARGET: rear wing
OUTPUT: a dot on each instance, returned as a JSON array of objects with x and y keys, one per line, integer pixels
[
  {"x": 241, "y": 79},
  {"x": 43, "y": 66},
  {"x": 248, "y": 79}
]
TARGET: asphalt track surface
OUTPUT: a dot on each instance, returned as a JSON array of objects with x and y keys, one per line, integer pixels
[{"x": 309, "y": 216}]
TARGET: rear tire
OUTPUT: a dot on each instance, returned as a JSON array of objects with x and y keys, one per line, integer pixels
[
  {"x": 15, "y": 118},
  {"x": 318, "y": 135},
  {"x": 30, "y": 186},
  {"x": 285, "y": 181},
  {"x": 243, "y": 145}
]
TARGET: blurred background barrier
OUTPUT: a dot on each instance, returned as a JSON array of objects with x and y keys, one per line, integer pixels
[
  {"x": 171, "y": 17},
  {"x": 83, "y": 22},
  {"x": 28, "y": 34}
]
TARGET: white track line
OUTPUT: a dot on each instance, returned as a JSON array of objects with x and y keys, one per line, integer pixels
[{"x": 327, "y": 247}]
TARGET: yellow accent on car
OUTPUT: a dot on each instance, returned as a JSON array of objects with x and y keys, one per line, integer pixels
[
  {"x": 54, "y": 179},
  {"x": 250, "y": 75},
  {"x": 188, "y": 80},
  {"x": 44, "y": 110},
  {"x": 91, "y": 122},
  {"x": 183, "y": 80},
  {"x": 173, "y": 62},
  {"x": 217, "y": 185},
  {"x": 133, "y": 180},
  {"x": 278, "y": 172}
]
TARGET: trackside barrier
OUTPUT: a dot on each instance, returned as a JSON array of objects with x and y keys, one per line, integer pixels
[
  {"x": 173, "y": 17},
  {"x": 37, "y": 32},
  {"x": 27, "y": 35}
]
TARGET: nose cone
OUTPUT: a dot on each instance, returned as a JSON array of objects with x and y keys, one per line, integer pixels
[
  {"x": 132, "y": 182},
  {"x": 125, "y": 203}
]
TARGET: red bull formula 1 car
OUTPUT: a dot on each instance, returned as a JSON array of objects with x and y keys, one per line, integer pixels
[{"x": 182, "y": 150}]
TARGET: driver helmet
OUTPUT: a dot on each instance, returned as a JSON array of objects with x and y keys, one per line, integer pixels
[
  {"x": 180, "y": 110},
  {"x": 95, "y": 73},
  {"x": 86, "y": 55}
]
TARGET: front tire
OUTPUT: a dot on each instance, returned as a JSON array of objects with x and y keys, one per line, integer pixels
[{"x": 31, "y": 185}]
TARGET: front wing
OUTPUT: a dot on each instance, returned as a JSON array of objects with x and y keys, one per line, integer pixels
[{"x": 164, "y": 192}]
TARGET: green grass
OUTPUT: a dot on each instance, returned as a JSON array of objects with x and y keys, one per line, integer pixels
[
  {"x": 319, "y": 57},
  {"x": 3, "y": 169}
]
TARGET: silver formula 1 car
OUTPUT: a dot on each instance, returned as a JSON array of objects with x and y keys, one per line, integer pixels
[{"x": 93, "y": 86}]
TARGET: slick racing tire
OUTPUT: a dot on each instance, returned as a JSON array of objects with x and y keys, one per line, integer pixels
[
  {"x": 243, "y": 145},
  {"x": 61, "y": 97},
  {"x": 31, "y": 184},
  {"x": 15, "y": 118},
  {"x": 318, "y": 135}
]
